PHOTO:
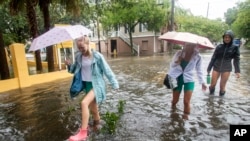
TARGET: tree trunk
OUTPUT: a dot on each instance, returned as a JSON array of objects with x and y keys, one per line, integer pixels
[
  {"x": 4, "y": 69},
  {"x": 98, "y": 34},
  {"x": 131, "y": 42},
  {"x": 31, "y": 14},
  {"x": 130, "y": 30},
  {"x": 44, "y": 6},
  {"x": 98, "y": 28}
]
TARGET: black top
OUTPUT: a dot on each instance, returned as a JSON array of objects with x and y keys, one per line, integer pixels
[{"x": 222, "y": 57}]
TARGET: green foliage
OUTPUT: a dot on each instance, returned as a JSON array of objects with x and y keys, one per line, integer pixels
[
  {"x": 247, "y": 44},
  {"x": 157, "y": 18},
  {"x": 14, "y": 28},
  {"x": 111, "y": 118},
  {"x": 212, "y": 29},
  {"x": 182, "y": 12},
  {"x": 70, "y": 6},
  {"x": 71, "y": 108},
  {"x": 187, "y": 22},
  {"x": 177, "y": 47},
  {"x": 121, "y": 107},
  {"x": 61, "y": 15},
  {"x": 128, "y": 13},
  {"x": 231, "y": 15},
  {"x": 241, "y": 25}
]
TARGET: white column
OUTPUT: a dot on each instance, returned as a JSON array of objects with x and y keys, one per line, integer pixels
[
  {"x": 138, "y": 47},
  {"x": 73, "y": 55},
  {"x": 59, "y": 58},
  {"x": 154, "y": 43}
]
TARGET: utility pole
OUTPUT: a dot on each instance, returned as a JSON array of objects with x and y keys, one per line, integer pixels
[
  {"x": 98, "y": 34},
  {"x": 207, "y": 9},
  {"x": 172, "y": 16},
  {"x": 170, "y": 45},
  {"x": 98, "y": 29}
]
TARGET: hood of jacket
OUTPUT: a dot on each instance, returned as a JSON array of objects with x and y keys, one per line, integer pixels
[{"x": 231, "y": 34}]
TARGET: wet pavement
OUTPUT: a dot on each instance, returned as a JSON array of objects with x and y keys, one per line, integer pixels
[{"x": 46, "y": 113}]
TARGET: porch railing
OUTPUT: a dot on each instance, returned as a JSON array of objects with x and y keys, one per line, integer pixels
[{"x": 125, "y": 38}]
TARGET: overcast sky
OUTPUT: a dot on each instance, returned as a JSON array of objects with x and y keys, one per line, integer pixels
[{"x": 216, "y": 9}]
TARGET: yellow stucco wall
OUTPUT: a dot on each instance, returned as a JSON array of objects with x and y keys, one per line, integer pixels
[
  {"x": 47, "y": 77},
  {"x": 19, "y": 62},
  {"x": 10, "y": 84},
  {"x": 92, "y": 45},
  {"x": 22, "y": 78}
]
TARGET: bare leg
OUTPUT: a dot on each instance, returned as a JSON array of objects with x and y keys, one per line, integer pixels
[
  {"x": 215, "y": 76},
  {"x": 83, "y": 132},
  {"x": 94, "y": 110},
  {"x": 223, "y": 81},
  {"x": 186, "y": 101},
  {"x": 85, "y": 110},
  {"x": 176, "y": 95}
]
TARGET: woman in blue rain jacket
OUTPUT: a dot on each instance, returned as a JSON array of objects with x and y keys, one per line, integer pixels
[{"x": 89, "y": 70}]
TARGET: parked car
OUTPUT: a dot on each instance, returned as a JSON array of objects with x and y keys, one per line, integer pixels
[{"x": 237, "y": 42}]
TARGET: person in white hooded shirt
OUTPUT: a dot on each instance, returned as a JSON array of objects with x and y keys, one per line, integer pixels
[{"x": 184, "y": 63}]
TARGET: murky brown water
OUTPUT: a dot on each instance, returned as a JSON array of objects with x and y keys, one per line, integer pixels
[{"x": 42, "y": 112}]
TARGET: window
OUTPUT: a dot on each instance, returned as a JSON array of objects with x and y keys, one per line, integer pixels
[
  {"x": 126, "y": 29},
  {"x": 144, "y": 45},
  {"x": 143, "y": 27}
]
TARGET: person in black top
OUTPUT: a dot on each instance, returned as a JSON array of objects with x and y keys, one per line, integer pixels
[{"x": 221, "y": 62}]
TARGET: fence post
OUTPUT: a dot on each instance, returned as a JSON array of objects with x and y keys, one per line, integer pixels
[
  {"x": 20, "y": 66},
  {"x": 138, "y": 47}
]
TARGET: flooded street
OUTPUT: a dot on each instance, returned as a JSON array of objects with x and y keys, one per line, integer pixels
[{"x": 44, "y": 112}]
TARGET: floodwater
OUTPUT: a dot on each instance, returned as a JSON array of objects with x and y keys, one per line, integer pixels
[{"x": 44, "y": 112}]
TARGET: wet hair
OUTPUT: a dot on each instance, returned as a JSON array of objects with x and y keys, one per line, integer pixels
[
  {"x": 86, "y": 42},
  {"x": 184, "y": 52},
  {"x": 190, "y": 45},
  {"x": 85, "y": 39}
]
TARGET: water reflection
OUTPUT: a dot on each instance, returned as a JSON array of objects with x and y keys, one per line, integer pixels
[{"x": 45, "y": 112}]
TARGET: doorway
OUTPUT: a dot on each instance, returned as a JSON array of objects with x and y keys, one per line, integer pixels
[{"x": 113, "y": 46}]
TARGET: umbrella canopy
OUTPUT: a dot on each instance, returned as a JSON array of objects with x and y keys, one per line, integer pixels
[
  {"x": 182, "y": 38},
  {"x": 57, "y": 35}
]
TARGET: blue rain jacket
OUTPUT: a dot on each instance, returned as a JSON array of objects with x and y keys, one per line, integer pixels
[{"x": 99, "y": 68}]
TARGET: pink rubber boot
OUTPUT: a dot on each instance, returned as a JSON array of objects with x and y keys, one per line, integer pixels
[{"x": 80, "y": 136}]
